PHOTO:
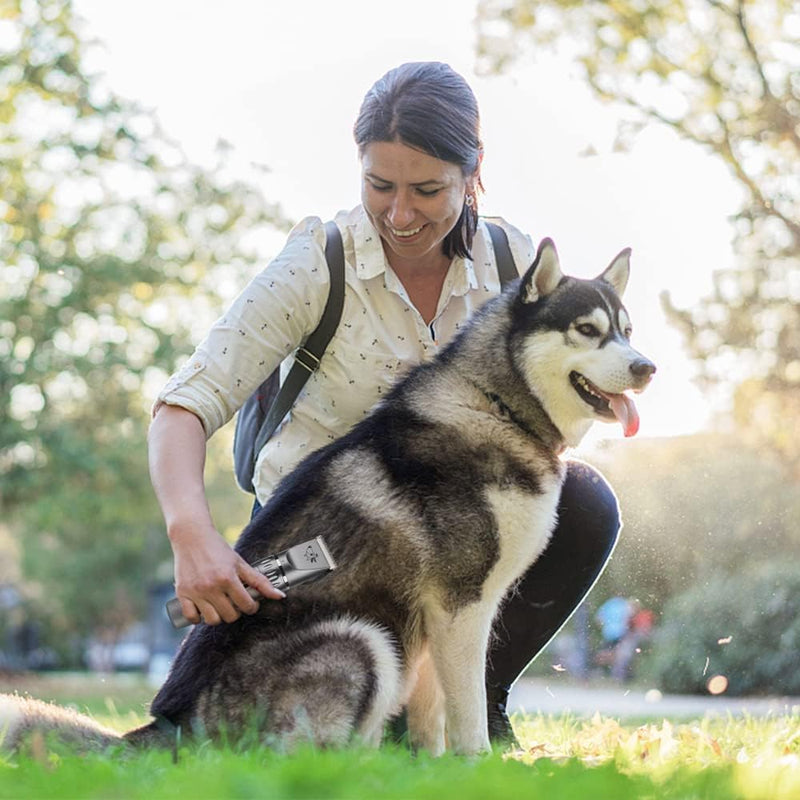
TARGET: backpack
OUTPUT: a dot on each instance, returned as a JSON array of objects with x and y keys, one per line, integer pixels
[{"x": 264, "y": 410}]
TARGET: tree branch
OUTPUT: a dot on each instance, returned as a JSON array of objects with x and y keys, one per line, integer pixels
[{"x": 751, "y": 48}]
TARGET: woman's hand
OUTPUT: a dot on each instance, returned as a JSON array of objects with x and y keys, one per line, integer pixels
[{"x": 210, "y": 577}]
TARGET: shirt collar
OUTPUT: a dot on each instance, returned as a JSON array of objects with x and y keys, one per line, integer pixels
[
  {"x": 462, "y": 272},
  {"x": 371, "y": 259}
]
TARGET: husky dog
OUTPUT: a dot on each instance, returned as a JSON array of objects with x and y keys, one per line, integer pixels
[{"x": 432, "y": 506}]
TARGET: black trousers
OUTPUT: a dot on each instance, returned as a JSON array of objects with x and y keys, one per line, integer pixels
[{"x": 553, "y": 588}]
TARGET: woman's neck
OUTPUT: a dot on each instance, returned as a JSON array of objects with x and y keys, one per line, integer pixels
[
  {"x": 434, "y": 262},
  {"x": 423, "y": 280}
]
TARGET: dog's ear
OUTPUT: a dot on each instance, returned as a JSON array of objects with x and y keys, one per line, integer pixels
[
  {"x": 618, "y": 271},
  {"x": 543, "y": 275}
]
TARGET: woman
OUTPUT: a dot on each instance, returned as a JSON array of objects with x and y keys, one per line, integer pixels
[{"x": 418, "y": 263}]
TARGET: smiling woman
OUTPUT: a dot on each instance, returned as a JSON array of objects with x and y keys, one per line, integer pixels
[
  {"x": 414, "y": 201},
  {"x": 411, "y": 197},
  {"x": 405, "y": 191},
  {"x": 429, "y": 108},
  {"x": 418, "y": 136}
]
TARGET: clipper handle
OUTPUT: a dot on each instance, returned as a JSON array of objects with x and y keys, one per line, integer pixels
[
  {"x": 300, "y": 564},
  {"x": 175, "y": 612}
]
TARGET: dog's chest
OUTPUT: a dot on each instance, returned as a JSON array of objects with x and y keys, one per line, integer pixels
[{"x": 524, "y": 524}]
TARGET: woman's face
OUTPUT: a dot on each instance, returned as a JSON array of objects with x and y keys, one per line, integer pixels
[{"x": 412, "y": 199}]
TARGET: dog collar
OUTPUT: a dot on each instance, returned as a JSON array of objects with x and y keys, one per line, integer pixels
[{"x": 550, "y": 442}]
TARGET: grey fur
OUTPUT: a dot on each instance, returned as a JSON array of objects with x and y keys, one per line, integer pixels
[
  {"x": 432, "y": 507},
  {"x": 22, "y": 718}
]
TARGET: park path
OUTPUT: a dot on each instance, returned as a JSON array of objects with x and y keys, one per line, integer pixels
[{"x": 538, "y": 695}]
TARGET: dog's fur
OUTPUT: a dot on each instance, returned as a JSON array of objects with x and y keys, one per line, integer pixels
[{"x": 432, "y": 507}]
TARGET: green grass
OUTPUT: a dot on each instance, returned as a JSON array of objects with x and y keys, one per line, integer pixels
[{"x": 562, "y": 757}]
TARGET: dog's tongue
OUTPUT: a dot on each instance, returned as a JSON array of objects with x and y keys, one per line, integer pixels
[{"x": 625, "y": 411}]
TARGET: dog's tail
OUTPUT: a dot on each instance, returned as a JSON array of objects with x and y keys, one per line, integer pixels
[
  {"x": 339, "y": 680},
  {"x": 345, "y": 683},
  {"x": 24, "y": 718}
]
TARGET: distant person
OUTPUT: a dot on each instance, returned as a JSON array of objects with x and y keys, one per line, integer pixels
[
  {"x": 642, "y": 622},
  {"x": 640, "y": 627},
  {"x": 614, "y": 617},
  {"x": 419, "y": 262}
]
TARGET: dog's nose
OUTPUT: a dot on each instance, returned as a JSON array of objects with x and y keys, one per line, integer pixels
[{"x": 642, "y": 368}]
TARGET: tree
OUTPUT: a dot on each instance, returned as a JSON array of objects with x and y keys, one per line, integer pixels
[
  {"x": 724, "y": 74},
  {"x": 113, "y": 249}
]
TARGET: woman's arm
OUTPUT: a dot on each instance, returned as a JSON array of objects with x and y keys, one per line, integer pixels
[{"x": 209, "y": 575}]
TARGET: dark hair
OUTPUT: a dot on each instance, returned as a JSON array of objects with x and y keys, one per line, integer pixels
[{"x": 427, "y": 105}]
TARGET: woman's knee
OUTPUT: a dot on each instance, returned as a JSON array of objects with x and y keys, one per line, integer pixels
[{"x": 589, "y": 503}]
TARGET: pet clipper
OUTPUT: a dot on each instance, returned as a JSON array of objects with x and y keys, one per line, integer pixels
[{"x": 292, "y": 567}]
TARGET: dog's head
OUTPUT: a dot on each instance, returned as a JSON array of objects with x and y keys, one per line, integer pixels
[{"x": 571, "y": 341}]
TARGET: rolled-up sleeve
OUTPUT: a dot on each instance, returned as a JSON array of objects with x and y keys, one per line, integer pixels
[{"x": 274, "y": 314}]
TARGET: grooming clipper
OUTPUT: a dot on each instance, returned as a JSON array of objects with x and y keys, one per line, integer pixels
[{"x": 292, "y": 567}]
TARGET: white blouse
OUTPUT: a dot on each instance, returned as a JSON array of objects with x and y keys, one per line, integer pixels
[{"x": 380, "y": 336}]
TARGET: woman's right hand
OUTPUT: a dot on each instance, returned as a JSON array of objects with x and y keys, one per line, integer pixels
[{"x": 210, "y": 577}]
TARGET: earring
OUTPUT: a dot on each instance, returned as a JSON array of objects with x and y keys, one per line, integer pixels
[{"x": 470, "y": 200}]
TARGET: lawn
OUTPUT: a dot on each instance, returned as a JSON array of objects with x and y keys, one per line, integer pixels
[{"x": 562, "y": 757}]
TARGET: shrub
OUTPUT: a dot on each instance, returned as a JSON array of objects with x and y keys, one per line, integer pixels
[{"x": 745, "y": 627}]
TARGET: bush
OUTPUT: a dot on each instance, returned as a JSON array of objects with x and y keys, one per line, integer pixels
[{"x": 745, "y": 627}]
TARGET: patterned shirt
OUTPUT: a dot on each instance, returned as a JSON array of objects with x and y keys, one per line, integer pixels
[{"x": 380, "y": 336}]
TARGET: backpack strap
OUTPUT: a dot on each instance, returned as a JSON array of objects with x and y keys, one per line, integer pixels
[
  {"x": 506, "y": 268},
  {"x": 308, "y": 356}
]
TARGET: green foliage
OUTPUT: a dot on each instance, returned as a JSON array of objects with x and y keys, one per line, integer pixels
[
  {"x": 725, "y": 76},
  {"x": 744, "y": 626},
  {"x": 114, "y": 249}
]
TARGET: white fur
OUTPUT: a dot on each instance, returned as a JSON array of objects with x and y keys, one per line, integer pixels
[
  {"x": 547, "y": 364},
  {"x": 618, "y": 271},
  {"x": 20, "y": 716},
  {"x": 548, "y": 361},
  {"x": 525, "y": 523},
  {"x": 11, "y": 718},
  {"x": 458, "y": 642},
  {"x": 425, "y": 707},
  {"x": 547, "y": 274}
]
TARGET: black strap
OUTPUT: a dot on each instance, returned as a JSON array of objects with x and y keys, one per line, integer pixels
[
  {"x": 308, "y": 356},
  {"x": 502, "y": 253}
]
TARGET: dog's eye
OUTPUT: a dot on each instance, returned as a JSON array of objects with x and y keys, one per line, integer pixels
[{"x": 587, "y": 329}]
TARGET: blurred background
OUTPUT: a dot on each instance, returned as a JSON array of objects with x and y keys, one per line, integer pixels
[{"x": 153, "y": 157}]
